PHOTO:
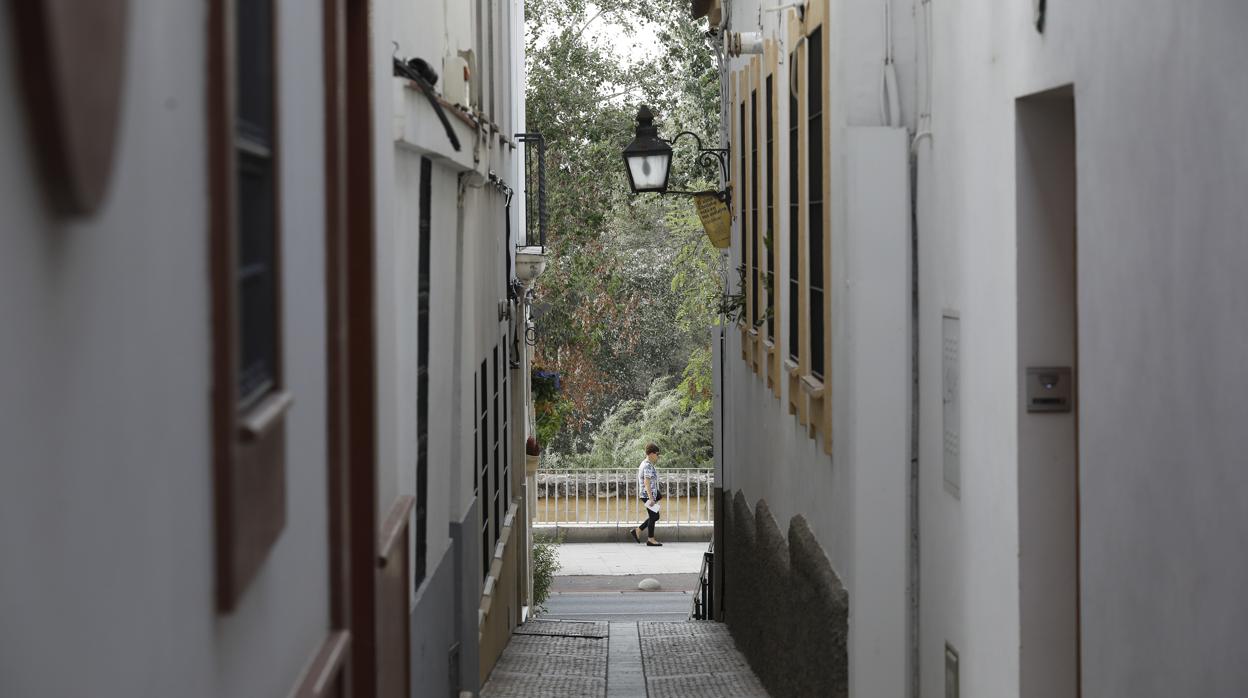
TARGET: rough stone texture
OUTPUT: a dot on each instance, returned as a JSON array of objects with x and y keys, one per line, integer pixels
[
  {"x": 506, "y": 685},
  {"x": 819, "y": 617},
  {"x": 777, "y": 660},
  {"x": 564, "y": 628},
  {"x": 552, "y": 658},
  {"x": 687, "y": 659},
  {"x": 785, "y": 606},
  {"x": 649, "y": 584},
  {"x": 740, "y": 578},
  {"x": 695, "y": 659}
]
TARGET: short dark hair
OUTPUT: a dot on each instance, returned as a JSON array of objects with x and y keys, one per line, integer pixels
[{"x": 651, "y": 448}]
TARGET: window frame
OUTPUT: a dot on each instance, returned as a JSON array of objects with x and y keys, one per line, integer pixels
[
  {"x": 815, "y": 410},
  {"x": 248, "y": 431},
  {"x": 424, "y": 292},
  {"x": 771, "y": 163},
  {"x": 753, "y": 217},
  {"x": 816, "y": 176}
]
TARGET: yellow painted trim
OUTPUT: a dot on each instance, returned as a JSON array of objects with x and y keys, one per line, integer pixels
[{"x": 830, "y": 294}]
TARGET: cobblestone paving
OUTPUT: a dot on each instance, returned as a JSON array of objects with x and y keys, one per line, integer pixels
[
  {"x": 695, "y": 659},
  {"x": 548, "y": 659},
  {"x": 564, "y": 659},
  {"x": 564, "y": 628}
]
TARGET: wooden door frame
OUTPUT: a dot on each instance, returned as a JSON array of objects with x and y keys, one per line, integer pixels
[
  {"x": 358, "y": 326},
  {"x": 343, "y": 656}
]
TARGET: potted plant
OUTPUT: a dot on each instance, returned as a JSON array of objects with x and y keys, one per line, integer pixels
[{"x": 532, "y": 455}]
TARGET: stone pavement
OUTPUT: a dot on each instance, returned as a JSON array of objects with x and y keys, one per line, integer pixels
[
  {"x": 565, "y": 659},
  {"x": 626, "y": 557}
]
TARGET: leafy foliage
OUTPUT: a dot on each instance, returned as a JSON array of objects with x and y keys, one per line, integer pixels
[
  {"x": 681, "y": 429},
  {"x": 632, "y": 284},
  {"x": 545, "y": 564}
]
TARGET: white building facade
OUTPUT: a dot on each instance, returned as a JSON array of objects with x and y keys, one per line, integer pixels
[
  {"x": 264, "y": 373},
  {"x": 996, "y": 379}
]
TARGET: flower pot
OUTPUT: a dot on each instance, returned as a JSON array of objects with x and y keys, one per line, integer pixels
[{"x": 531, "y": 463}]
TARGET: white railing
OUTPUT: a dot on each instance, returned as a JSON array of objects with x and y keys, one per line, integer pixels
[{"x": 591, "y": 497}]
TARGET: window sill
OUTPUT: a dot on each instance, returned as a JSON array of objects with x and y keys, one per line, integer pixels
[
  {"x": 791, "y": 367},
  {"x": 261, "y": 419},
  {"x": 813, "y": 387}
]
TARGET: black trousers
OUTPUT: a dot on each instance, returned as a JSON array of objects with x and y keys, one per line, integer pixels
[{"x": 652, "y": 518}]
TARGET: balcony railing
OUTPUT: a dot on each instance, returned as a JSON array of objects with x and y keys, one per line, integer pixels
[
  {"x": 534, "y": 189},
  {"x": 588, "y": 497},
  {"x": 704, "y": 597}
]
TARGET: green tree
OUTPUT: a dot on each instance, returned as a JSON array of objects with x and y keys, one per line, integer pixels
[{"x": 631, "y": 285}]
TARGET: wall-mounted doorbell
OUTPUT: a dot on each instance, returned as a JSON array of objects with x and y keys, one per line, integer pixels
[{"x": 1049, "y": 389}]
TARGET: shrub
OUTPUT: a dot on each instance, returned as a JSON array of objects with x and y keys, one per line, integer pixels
[{"x": 545, "y": 563}]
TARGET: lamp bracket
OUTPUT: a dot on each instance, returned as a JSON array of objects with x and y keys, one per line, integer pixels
[{"x": 705, "y": 155}]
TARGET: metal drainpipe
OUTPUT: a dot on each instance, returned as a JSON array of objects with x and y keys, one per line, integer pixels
[
  {"x": 915, "y": 527},
  {"x": 721, "y": 552}
]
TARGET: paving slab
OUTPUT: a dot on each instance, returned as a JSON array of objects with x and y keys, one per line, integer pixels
[
  {"x": 623, "y": 582},
  {"x": 629, "y": 558},
  {"x": 619, "y": 606},
  {"x": 648, "y": 659}
]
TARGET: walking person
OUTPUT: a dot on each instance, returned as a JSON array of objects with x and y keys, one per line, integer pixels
[{"x": 648, "y": 491}]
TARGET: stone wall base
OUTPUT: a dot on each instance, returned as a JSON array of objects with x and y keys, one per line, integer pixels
[{"x": 784, "y": 604}]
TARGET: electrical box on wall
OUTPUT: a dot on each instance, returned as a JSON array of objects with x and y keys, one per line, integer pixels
[
  {"x": 1049, "y": 389},
  {"x": 951, "y": 402},
  {"x": 456, "y": 80}
]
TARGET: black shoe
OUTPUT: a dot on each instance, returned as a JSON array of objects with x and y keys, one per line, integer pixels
[
  {"x": 654, "y": 545},
  {"x": 633, "y": 532}
]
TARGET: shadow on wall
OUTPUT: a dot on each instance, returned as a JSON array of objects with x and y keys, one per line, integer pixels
[{"x": 784, "y": 604}]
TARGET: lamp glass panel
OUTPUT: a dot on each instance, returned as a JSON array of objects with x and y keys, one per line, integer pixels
[{"x": 649, "y": 172}]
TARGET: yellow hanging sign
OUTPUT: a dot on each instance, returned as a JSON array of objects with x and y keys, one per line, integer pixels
[{"x": 715, "y": 219}]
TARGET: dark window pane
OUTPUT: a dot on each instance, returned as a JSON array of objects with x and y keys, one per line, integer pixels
[
  {"x": 816, "y": 227},
  {"x": 476, "y": 448},
  {"x": 741, "y": 184},
  {"x": 254, "y": 79},
  {"x": 484, "y": 426},
  {"x": 770, "y": 226},
  {"x": 506, "y": 435},
  {"x": 256, "y": 222},
  {"x": 487, "y": 550},
  {"x": 497, "y": 479},
  {"x": 816, "y": 331},
  {"x": 754, "y": 314},
  {"x": 794, "y": 217},
  {"x": 422, "y": 372},
  {"x": 256, "y": 278}
]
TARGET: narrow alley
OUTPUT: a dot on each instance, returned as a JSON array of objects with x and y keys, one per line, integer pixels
[{"x": 623, "y": 348}]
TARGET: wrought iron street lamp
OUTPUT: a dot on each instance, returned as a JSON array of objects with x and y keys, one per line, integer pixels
[{"x": 649, "y": 159}]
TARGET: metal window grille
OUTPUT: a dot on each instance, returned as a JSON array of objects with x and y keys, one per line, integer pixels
[
  {"x": 744, "y": 199},
  {"x": 770, "y": 239},
  {"x": 534, "y": 189},
  {"x": 814, "y": 72},
  {"x": 257, "y": 220},
  {"x": 754, "y": 208},
  {"x": 496, "y": 482},
  {"x": 422, "y": 373},
  {"x": 794, "y": 217}
]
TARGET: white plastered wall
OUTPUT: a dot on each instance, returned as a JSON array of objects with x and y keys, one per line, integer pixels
[
  {"x": 1160, "y": 249},
  {"x": 855, "y": 499},
  {"x": 106, "y": 487}
]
